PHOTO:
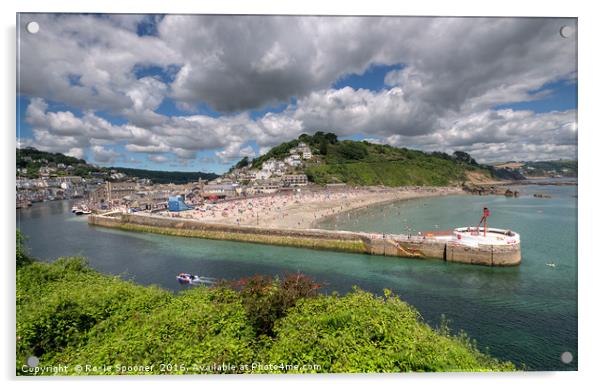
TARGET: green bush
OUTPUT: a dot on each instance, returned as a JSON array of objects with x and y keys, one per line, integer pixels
[
  {"x": 364, "y": 333},
  {"x": 267, "y": 299},
  {"x": 60, "y": 305},
  {"x": 200, "y": 327},
  {"x": 71, "y": 315},
  {"x": 352, "y": 150},
  {"x": 22, "y": 257}
]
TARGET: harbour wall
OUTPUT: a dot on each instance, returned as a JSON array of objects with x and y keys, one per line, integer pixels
[{"x": 346, "y": 241}]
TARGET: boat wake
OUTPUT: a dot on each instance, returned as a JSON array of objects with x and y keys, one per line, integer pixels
[{"x": 192, "y": 279}]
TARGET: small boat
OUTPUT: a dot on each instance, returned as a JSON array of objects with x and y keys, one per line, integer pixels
[
  {"x": 81, "y": 210},
  {"x": 189, "y": 279},
  {"x": 551, "y": 264}
]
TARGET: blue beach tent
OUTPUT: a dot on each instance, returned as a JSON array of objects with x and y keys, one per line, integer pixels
[{"x": 177, "y": 204}]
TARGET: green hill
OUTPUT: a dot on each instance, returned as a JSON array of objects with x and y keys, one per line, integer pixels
[
  {"x": 32, "y": 160},
  {"x": 562, "y": 168},
  {"x": 364, "y": 163},
  {"x": 165, "y": 177}
]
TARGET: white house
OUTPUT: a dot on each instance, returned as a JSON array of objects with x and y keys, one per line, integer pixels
[
  {"x": 293, "y": 160},
  {"x": 269, "y": 165},
  {"x": 263, "y": 174},
  {"x": 294, "y": 179}
]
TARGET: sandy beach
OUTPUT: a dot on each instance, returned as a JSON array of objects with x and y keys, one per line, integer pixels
[{"x": 303, "y": 209}]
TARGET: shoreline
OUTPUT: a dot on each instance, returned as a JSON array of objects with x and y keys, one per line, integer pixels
[
  {"x": 450, "y": 191},
  {"x": 304, "y": 209}
]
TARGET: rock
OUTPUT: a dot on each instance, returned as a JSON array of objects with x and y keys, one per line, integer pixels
[
  {"x": 482, "y": 190},
  {"x": 542, "y": 195}
]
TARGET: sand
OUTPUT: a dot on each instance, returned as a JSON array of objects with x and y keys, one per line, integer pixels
[{"x": 302, "y": 209}]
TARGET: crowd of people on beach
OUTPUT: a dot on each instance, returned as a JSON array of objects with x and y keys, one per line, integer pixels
[
  {"x": 251, "y": 210},
  {"x": 300, "y": 208}
]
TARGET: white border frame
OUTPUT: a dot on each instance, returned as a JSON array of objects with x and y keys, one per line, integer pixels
[{"x": 589, "y": 144}]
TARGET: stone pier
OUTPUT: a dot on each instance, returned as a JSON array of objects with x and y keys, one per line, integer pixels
[{"x": 347, "y": 241}]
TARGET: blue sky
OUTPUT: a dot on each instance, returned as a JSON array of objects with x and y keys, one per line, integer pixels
[
  {"x": 559, "y": 96},
  {"x": 139, "y": 93}
]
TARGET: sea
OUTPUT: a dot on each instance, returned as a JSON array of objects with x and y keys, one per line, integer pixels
[{"x": 525, "y": 314}]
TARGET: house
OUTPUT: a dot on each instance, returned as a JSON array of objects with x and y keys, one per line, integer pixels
[
  {"x": 263, "y": 175},
  {"x": 219, "y": 190},
  {"x": 270, "y": 165},
  {"x": 268, "y": 186},
  {"x": 251, "y": 175},
  {"x": 293, "y": 160},
  {"x": 294, "y": 179},
  {"x": 71, "y": 179},
  {"x": 112, "y": 191}
]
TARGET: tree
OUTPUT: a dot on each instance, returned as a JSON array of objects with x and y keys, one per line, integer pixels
[
  {"x": 242, "y": 163},
  {"x": 323, "y": 146},
  {"x": 305, "y": 138},
  {"x": 331, "y": 138},
  {"x": 353, "y": 150},
  {"x": 464, "y": 157}
]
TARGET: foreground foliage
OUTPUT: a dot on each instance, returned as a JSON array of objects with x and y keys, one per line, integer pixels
[{"x": 68, "y": 314}]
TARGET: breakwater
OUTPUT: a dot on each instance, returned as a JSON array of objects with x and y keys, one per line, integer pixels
[{"x": 355, "y": 242}]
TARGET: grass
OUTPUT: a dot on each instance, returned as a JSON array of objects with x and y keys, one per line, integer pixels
[{"x": 387, "y": 173}]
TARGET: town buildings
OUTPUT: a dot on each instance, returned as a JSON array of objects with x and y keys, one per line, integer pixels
[{"x": 111, "y": 189}]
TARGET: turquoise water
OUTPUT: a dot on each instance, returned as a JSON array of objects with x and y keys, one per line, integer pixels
[{"x": 527, "y": 314}]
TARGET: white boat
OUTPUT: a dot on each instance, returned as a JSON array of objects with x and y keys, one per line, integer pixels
[
  {"x": 190, "y": 279},
  {"x": 81, "y": 210}
]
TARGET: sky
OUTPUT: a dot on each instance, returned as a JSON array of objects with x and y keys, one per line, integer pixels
[{"x": 199, "y": 92}]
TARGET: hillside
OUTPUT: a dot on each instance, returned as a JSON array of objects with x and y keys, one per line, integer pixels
[
  {"x": 31, "y": 160},
  {"x": 68, "y": 314},
  {"x": 556, "y": 168},
  {"x": 165, "y": 177},
  {"x": 364, "y": 163}
]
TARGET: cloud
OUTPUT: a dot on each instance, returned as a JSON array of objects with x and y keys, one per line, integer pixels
[
  {"x": 62, "y": 131},
  {"x": 183, "y": 136},
  {"x": 75, "y": 152},
  {"x": 234, "y": 152},
  {"x": 243, "y": 62},
  {"x": 502, "y": 135},
  {"x": 104, "y": 155},
  {"x": 348, "y": 111},
  {"x": 158, "y": 158},
  {"x": 88, "y": 61},
  {"x": 454, "y": 72},
  {"x": 235, "y": 63}
]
